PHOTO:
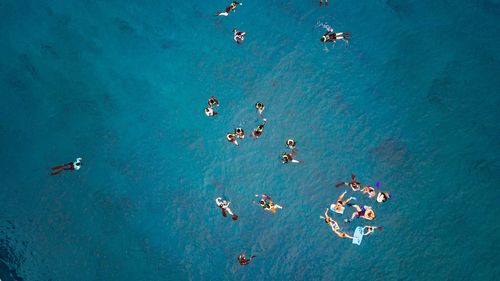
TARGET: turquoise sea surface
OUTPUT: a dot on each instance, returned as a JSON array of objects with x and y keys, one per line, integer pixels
[{"x": 412, "y": 102}]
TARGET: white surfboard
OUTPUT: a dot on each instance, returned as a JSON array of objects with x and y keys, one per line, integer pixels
[{"x": 357, "y": 236}]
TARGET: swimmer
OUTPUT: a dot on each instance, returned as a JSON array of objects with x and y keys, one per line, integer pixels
[
  {"x": 230, "y": 8},
  {"x": 354, "y": 184},
  {"x": 290, "y": 144},
  {"x": 335, "y": 226},
  {"x": 288, "y": 157},
  {"x": 242, "y": 259},
  {"x": 383, "y": 196},
  {"x": 267, "y": 203},
  {"x": 257, "y": 132},
  {"x": 68, "y": 166},
  {"x": 370, "y": 229},
  {"x": 239, "y": 133},
  {"x": 238, "y": 36},
  {"x": 210, "y": 112},
  {"x": 369, "y": 190},
  {"x": 340, "y": 205},
  {"x": 212, "y": 102},
  {"x": 231, "y": 138},
  {"x": 365, "y": 212},
  {"x": 331, "y": 36},
  {"x": 260, "y": 108},
  {"x": 321, "y": 2},
  {"x": 224, "y": 206}
]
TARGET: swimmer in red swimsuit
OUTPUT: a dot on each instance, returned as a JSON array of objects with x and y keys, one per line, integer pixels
[{"x": 67, "y": 167}]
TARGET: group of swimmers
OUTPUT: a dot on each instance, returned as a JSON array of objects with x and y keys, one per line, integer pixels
[
  {"x": 360, "y": 211},
  {"x": 238, "y": 36}
]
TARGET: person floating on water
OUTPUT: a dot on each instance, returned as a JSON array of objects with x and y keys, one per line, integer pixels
[
  {"x": 239, "y": 133},
  {"x": 288, "y": 158},
  {"x": 383, "y": 196},
  {"x": 365, "y": 212},
  {"x": 238, "y": 36},
  {"x": 354, "y": 184},
  {"x": 257, "y": 132},
  {"x": 230, "y": 8},
  {"x": 224, "y": 206},
  {"x": 369, "y": 190},
  {"x": 369, "y": 229},
  {"x": 260, "y": 108},
  {"x": 335, "y": 226},
  {"x": 267, "y": 203},
  {"x": 232, "y": 138},
  {"x": 339, "y": 207},
  {"x": 321, "y": 2},
  {"x": 68, "y": 166},
  {"x": 290, "y": 144},
  {"x": 331, "y": 36},
  {"x": 242, "y": 259},
  {"x": 212, "y": 102}
]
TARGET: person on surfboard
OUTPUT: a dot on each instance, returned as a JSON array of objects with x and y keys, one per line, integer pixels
[{"x": 339, "y": 206}]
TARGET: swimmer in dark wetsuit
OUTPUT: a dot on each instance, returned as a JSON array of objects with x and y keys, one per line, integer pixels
[
  {"x": 74, "y": 166},
  {"x": 242, "y": 259},
  {"x": 354, "y": 184},
  {"x": 331, "y": 36}
]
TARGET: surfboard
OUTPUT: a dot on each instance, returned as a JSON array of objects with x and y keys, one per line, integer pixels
[
  {"x": 332, "y": 207},
  {"x": 357, "y": 236}
]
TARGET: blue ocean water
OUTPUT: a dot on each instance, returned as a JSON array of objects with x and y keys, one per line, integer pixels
[{"x": 411, "y": 101}]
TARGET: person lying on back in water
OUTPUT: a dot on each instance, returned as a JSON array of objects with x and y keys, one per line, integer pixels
[
  {"x": 335, "y": 226},
  {"x": 340, "y": 204},
  {"x": 239, "y": 133},
  {"x": 224, "y": 206},
  {"x": 365, "y": 212},
  {"x": 367, "y": 230}
]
